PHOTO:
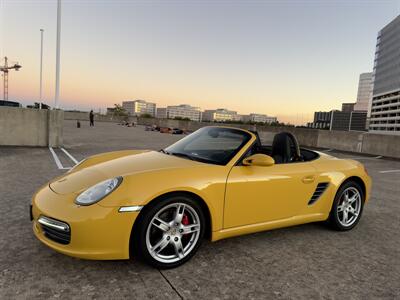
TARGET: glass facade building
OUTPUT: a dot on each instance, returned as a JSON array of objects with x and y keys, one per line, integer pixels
[
  {"x": 364, "y": 93},
  {"x": 385, "y": 108}
]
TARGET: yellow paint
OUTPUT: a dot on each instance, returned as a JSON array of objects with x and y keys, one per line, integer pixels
[
  {"x": 96, "y": 232},
  {"x": 240, "y": 199},
  {"x": 260, "y": 160},
  {"x": 258, "y": 194}
]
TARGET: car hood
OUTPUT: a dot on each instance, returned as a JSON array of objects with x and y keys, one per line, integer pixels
[{"x": 85, "y": 177}]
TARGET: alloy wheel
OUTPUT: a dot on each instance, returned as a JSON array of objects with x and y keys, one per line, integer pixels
[
  {"x": 349, "y": 206},
  {"x": 173, "y": 232}
]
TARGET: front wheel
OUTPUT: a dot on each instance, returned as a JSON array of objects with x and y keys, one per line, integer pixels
[
  {"x": 170, "y": 232},
  {"x": 347, "y": 206}
]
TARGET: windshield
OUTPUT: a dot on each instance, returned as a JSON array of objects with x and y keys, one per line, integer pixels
[{"x": 215, "y": 145}]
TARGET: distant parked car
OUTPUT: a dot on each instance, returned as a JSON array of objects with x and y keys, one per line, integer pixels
[
  {"x": 165, "y": 130},
  {"x": 177, "y": 131},
  {"x": 152, "y": 128}
]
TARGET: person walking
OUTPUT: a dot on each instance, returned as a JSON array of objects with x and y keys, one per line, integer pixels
[{"x": 91, "y": 118}]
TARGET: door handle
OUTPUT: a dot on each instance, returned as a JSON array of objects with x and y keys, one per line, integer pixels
[{"x": 308, "y": 179}]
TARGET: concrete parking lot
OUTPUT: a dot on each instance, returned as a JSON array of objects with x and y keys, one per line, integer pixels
[{"x": 303, "y": 262}]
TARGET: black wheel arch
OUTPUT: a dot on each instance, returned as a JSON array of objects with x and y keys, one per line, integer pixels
[
  {"x": 357, "y": 180},
  {"x": 331, "y": 221}
]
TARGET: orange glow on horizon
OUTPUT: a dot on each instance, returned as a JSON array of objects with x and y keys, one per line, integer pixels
[{"x": 203, "y": 54}]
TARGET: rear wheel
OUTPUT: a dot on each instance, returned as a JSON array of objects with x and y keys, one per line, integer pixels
[
  {"x": 347, "y": 207},
  {"x": 170, "y": 232}
]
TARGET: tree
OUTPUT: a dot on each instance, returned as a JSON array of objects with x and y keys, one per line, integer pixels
[
  {"x": 120, "y": 111},
  {"x": 183, "y": 119},
  {"x": 37, "y": 106},
  {"x": 146, "y": 116}
]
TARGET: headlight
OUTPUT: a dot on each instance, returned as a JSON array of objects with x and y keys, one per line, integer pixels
[{"x": 98, "y": 191}]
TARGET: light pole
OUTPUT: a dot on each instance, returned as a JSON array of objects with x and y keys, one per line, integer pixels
[
  {"x": 57, "y": 94},
  {"x": 41, "y": 68}
]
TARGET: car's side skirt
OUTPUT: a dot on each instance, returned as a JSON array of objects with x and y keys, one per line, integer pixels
[{"x": 252, "y": 228}]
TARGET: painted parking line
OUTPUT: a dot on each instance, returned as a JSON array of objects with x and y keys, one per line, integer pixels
[
  {"x": 389, "y": 171},
  {"x": 57, "y": 160},
  {"x": 70, "y": 156}
]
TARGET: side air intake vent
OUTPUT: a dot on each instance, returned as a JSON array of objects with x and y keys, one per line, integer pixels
[{"x": 321, "y": 187}]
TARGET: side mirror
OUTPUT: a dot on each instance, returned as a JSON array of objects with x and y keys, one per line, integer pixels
[{"x": 260, "y": 160}]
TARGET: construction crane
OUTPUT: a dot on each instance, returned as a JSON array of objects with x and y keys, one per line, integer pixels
[{"x": 5, "y": 69}]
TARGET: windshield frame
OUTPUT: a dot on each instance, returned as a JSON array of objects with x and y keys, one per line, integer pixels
[{"x": 248, "y": 140}]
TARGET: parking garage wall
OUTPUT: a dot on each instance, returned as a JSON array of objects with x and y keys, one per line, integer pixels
[
  {"x": 30, "y": 127},
  {"x": 84, "y": 116}
]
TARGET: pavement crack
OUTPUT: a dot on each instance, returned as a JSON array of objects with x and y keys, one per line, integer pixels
[{"x": 170, "y": 284}]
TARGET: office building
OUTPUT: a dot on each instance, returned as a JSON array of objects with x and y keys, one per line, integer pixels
[
  {"x": 139, "y": 107},
  {"x": 346, "y": 121},
  {"x": 161, "y": 113},
  {"x": 184, "y": 111},
  {"x": 347, "y": 107},
  {"x": 322, "y": 116},
  {"x": 259, "y": 118},
  {"x": 385, "y": 109},
  {"x": 358, "y": 120},
  {"x": 322, "y": 120},
  {"x": 340, "y": 120},
  {"x": 364, "y": 93},
  {"x": 220, "y": 115}
]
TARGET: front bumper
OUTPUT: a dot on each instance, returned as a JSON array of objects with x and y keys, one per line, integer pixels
[{"x": 97, "y": 232}]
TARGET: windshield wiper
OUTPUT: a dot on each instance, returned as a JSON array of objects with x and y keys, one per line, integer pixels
[
  {"x": 182, "y": 155},
  {"x": 177, "y": 154},
  {"x": 195, "y": 158},
  {"x": 164, "y": 151}
]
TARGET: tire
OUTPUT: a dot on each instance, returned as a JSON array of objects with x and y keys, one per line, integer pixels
[
  {"x": 343, "y": 206},
  {"x": 169, "y": 232}
]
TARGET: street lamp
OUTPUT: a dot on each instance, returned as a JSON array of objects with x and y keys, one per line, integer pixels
[
  {"x": 41, "y": 68},
  {"x": 57, "y": 93}
]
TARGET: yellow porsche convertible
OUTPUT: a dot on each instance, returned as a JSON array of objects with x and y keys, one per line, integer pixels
[{"x": 215, "y": 183}]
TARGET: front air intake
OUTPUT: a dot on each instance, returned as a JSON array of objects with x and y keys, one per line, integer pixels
[
  {"x": 321, "y": 187},
  {"x": 55, "y": 230}
]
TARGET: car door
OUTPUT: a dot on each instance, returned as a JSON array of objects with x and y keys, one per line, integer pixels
[{"x": 256, "y": 194}]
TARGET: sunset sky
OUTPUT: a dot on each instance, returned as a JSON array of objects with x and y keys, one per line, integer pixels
[{"x": 282, "y": 58}]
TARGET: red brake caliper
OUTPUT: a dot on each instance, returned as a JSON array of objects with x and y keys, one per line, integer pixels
[{"x": 185, "y": 220}]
